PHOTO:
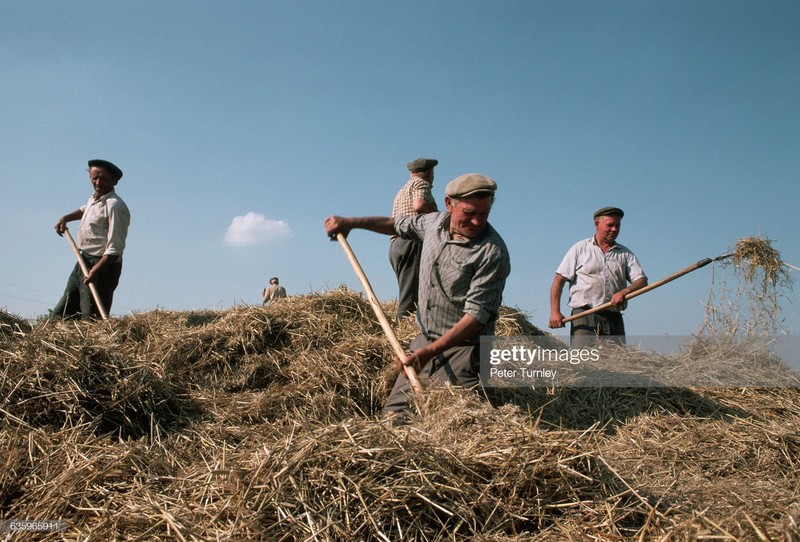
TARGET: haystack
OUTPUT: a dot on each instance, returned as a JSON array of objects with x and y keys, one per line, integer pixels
[{"x": 261, "y": 424}]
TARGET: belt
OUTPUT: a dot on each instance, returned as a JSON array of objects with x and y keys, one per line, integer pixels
[
  {"x": 604, "y": 311},
  {"x": 115, "y": 259}
]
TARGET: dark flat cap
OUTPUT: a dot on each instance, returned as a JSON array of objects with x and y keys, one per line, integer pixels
[
  {"x": 108, "y": 166},
  {"x": 422, "y": 164},
  {"x": 609, "y": 211},
  {"x": 274, "y": 279},
  {"x": 470, "y": 184}
]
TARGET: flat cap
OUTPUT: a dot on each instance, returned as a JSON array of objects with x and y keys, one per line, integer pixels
[
  {"x": 273, "y": 279},
  {"x": 470, "y": 184},
  {"x": 609, "y": 211},
  {"x": 422, "y": 164},
  {"x": 108, "y": 166}
]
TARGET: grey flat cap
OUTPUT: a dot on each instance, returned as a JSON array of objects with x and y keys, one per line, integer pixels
[
  {"x": 609, "y": 211},
  {"x": 422, "y": 164},
  {"x": 470, "y": 184}
]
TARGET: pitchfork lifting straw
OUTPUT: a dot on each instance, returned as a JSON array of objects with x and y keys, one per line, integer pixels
[
  {"x": 645, "y": 289},
  {"x": 757, "y": 261}
]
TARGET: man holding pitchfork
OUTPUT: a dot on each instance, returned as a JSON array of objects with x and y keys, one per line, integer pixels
[
  {"x": 463, "y": 272},
  {"x": 102, "y": 232}
]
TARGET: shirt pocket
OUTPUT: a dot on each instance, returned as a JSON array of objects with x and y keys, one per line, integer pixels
[
  {"x": 616, "y": 268},
  {"x": 455, "y": 276}
]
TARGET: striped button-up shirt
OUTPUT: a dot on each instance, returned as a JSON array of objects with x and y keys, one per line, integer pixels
[{"x": 456, "y": 276}]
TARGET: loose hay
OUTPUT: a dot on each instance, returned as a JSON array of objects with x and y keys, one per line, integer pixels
[
  {"x": 260, "y": 424},
  {"x": 752, "y": 306},
  {"x": 11, "y": 326},
  {"x": 759, "y": 262}
]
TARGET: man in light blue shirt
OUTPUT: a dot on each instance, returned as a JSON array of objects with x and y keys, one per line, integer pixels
[{"x": 599, "y": 270}]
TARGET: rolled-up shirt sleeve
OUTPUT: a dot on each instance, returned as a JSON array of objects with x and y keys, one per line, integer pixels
[
  {"x": 485, "y": 294},
  {"x": 119, "y": 218},
  {"x": 104, "y": 226}
]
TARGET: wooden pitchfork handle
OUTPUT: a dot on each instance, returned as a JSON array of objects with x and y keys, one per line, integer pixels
[
  {"x": 92, "y": 287},
  {"x": 410, "y": 372},
  {"x": 640, "y": 291}
]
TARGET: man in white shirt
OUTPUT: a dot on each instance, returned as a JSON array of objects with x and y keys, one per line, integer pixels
[
  {"x": 104, "y": 222},
  {"x": 598, "y": 270}
]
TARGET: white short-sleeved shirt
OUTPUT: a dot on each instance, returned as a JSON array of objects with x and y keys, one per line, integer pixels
[{"x": 594, "y": 276}]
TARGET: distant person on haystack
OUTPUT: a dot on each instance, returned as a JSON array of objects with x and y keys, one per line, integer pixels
[
  {"x": 414, "y": 198},
  {"x": 463, "y": 272},
  {"x": 599, "y": 270},
  {"x": 274, "y": 291},
  {"x": 101, "y": 239}
]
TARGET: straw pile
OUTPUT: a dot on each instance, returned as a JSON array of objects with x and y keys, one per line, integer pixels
[
  {"x": 260, "y": 424},
  {"x": 11, "y": 325}
]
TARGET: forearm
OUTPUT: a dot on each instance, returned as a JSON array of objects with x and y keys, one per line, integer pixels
[
  {"x": 635, "y": 285},
  {"x": 379, "y": 224},
  {"x": 74, "y": 215},
  {"x": 465, "y": 329},
  {"x": 618, "y": 299},
  {"x": 61, "y": 223},
  {"x": 98, "y": 267},
  {"x": 556, "y": 289}
]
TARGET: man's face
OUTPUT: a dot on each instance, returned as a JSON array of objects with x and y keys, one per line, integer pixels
[
  {"x": 102, "y": 181},
  {"x": 607, "y": 228},
  {"x": 468, "y": 216}
]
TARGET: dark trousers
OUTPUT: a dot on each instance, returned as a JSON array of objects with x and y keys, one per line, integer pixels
[
  {"x": 586, "y": 330},
  {"x": 458, "y": 366},
  {"x": 77, "y": 299},
  {"x": 404, "y": 255}
]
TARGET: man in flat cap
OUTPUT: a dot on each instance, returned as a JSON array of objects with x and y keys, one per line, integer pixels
[
  {"x": 101, "y": 238},
  {"x": 599, "y": 270},
  {"x": 415, "y": 198},
  {"x": 274, "y": 291},
  {"x": 463, "y": 272}
]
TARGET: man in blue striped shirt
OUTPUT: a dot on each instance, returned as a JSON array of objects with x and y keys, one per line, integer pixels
[{"x": 463, "y": 271}]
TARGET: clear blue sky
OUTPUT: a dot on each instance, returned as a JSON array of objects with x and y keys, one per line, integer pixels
[{"x": 683, "y": 113}]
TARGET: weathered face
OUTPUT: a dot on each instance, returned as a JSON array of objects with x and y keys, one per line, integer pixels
[
  {"x": 607, "y": 228},
  {"x": 468, "y": 216},
  {"x": 102, "y": 181}
]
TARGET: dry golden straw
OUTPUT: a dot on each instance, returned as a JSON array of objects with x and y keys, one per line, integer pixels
[
  {"x": 752, "y": 305},
  {"x": 260, "y": 423}
]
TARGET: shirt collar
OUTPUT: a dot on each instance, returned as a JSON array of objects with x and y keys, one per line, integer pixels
[
  {"x": 103, "y": 197},
  {"x": 612, "y": 247}
]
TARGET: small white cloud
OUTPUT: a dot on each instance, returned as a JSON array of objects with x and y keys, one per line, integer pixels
[{"x": 255, "y": 229}]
